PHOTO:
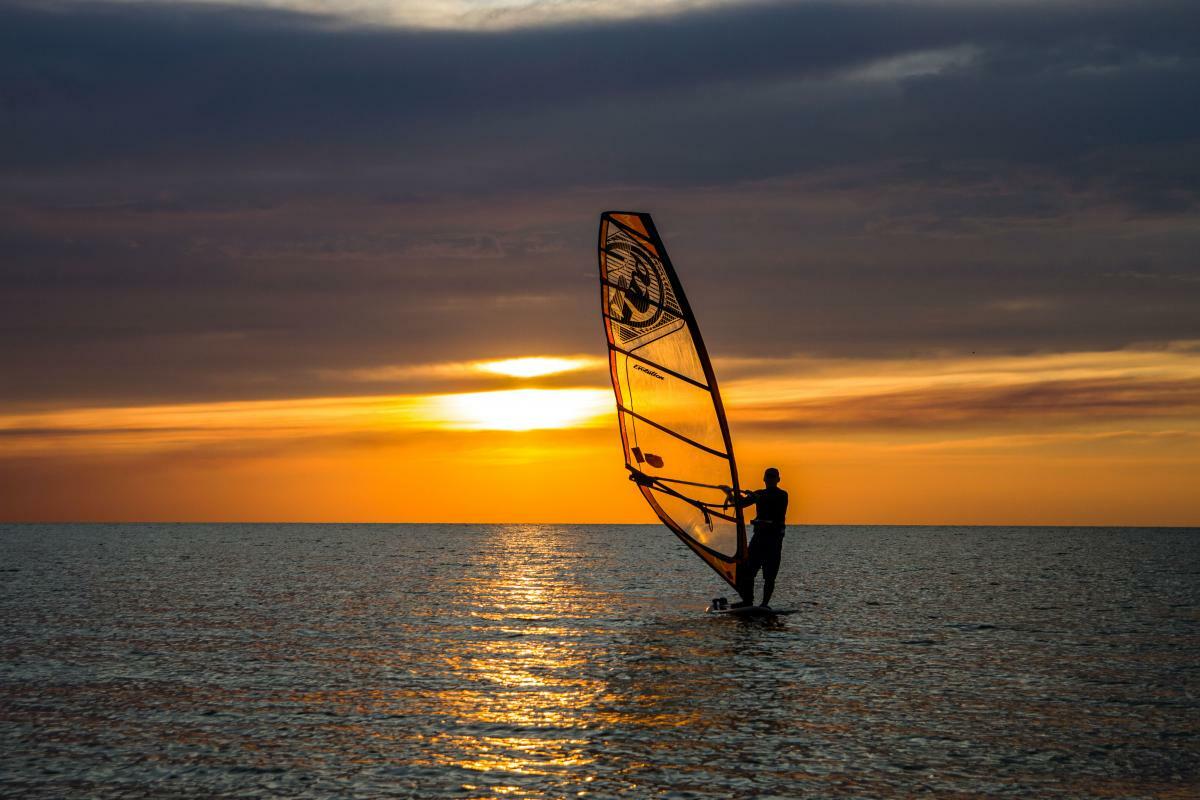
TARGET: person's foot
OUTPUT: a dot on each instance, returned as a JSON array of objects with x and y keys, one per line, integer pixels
[{"x": 742, "y": 604}]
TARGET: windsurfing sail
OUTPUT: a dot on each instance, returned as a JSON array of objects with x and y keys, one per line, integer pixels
[{"x": 673, "y": 427}]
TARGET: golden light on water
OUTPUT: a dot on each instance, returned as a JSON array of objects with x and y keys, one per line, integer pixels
[
  {"x": 525, "y": 682},
  {"x": 538, "y": 366},
  {"x": 525, "y": 409}
]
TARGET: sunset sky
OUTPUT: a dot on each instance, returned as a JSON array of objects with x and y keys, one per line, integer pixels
[{"x": 337, "y": 261}]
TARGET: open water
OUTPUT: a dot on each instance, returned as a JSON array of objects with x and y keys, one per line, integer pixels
[{"x": 576, "y": 661}]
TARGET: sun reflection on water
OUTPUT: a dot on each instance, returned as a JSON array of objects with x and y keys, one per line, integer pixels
[
  {"x": 523, "y": 692},
  {"x": 494, "y": 661}
]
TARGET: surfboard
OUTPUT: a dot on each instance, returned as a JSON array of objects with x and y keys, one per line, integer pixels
[{"x": 752, "y": 611}]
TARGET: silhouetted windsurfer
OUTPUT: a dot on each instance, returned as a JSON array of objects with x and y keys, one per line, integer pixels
[{"x": 766, "y": 547}]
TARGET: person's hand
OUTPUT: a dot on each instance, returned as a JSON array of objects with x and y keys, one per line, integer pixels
[{"x": 641, "y": 478}]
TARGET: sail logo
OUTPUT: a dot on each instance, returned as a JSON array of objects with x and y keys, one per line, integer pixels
[
  {"x": 640, "y": 300},
  {"x": 649, "y": 372}
]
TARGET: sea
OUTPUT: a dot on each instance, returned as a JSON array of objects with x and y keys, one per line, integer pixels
[{"x": 562, "y": 661}]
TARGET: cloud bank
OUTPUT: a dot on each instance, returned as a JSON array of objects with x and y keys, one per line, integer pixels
[{"x": 219, "y": 202}]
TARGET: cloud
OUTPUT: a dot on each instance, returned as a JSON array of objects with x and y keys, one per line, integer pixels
[
  {"x": 1030, "y": 392},
  {"x": 962, "y": 434},
  {"x": 505, "y": 14},
  {"x": 271, "y": 87},
  {"x": 950, "y": 394},
  {"x": 207, "y": 202},
  {"x": 1032, "y": 404},
  {"x": 508, "y": 373}
]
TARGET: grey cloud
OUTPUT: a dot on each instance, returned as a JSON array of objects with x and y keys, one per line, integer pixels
[
  {"x": 87, "y": 82},
  {"x": 219, "y": 202},
  {"x": 144, "y": 96},
  {"x": 1037, "y": 403}
]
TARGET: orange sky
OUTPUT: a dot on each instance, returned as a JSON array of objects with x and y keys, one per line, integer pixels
[{"x": 1082, "y": 438}]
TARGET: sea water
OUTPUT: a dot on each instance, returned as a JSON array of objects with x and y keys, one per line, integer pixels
[{"x": 576, "y": 661}]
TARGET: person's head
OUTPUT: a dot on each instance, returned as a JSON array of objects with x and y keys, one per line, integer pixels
[{"x": 771, "y": 477}]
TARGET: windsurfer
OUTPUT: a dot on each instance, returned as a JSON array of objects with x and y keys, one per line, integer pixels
[{"x": 766, "y": 547}]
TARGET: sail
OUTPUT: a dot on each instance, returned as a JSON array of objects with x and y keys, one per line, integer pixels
[{"x": 672, "y": 422}]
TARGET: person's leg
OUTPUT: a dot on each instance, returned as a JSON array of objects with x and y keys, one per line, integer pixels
[
  {"x": 747, "y": 573},
  {"x": 770, "y": 568}
]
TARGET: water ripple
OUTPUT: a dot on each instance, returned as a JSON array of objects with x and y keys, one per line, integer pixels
[{"x": 552, "y": 661}]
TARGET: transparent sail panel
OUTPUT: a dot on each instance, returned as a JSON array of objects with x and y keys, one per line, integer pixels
[
  {"x": 684, "y": 409},
  {"x": 714, "y": 533},
  {"x": 672, "y": 423},
  {"x": 683, "y": 469}
]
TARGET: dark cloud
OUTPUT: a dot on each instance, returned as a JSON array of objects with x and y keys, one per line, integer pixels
[
  {"x": 1046, "y": 402},
  {"x": 89, "y": 83},
  {"x": 224, "y": 202}
]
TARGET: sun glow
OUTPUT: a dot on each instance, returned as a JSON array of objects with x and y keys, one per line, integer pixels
[
  {"x": 537, "y": 366},
  {"x": 526, "y": 409},
  {"x": 1082, "y": 438}
]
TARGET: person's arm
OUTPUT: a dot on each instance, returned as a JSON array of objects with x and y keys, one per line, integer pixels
[{"x": 748, "y": 498}]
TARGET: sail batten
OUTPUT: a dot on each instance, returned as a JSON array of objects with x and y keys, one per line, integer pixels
[
  {"x": 656, "y": 365},
  {"x": 670, "y": 432},
  {"x": 672, "y": 422}
]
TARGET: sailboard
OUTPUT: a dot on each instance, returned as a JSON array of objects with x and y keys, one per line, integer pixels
[
  {"x": 752, "y": 611},
  {"x": 673, "y": 427}
]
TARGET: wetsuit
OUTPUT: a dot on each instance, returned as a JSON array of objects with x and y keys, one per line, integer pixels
[{"x": 766, "y": 547}]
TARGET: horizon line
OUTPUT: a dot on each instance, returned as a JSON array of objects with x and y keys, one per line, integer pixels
[{"x": 611, "y": 524}]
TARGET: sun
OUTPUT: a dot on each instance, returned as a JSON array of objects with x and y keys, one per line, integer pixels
[
  {"x": 537, "y": 366},
  {"x": 525, "y": 409}
]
